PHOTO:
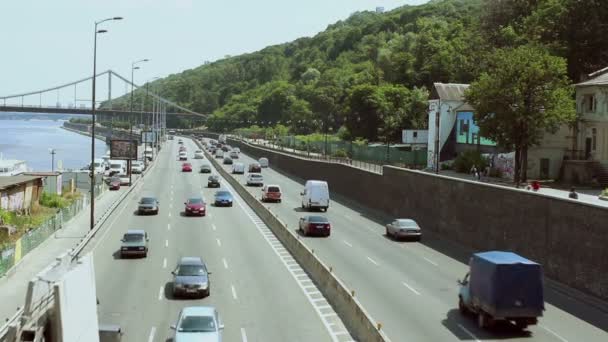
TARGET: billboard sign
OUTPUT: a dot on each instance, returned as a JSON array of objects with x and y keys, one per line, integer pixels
[
  {"x": 148, "y": 137},
  {"x": 123, "y": 149}
]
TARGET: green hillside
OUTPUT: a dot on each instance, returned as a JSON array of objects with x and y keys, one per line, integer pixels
[{"x": 371, "y": 72}]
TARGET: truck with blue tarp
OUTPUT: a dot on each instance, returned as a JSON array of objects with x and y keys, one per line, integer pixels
[{"x": 502, "y": 286}]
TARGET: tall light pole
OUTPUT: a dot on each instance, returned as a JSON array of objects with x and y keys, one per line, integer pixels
[
  {"x": 92, "y": 170},
  {"x": 133, "y": 68},
  {"x": 52, "y": 152},
  {"x": 152, "y": 127}
]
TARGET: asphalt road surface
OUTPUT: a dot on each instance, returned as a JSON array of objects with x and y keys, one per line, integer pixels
[{"x": 409, "y": 287}]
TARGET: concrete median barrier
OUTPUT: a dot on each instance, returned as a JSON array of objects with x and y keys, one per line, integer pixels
[{"x": 343, "y": 300}]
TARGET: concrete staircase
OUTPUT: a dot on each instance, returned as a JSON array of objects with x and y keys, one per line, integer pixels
[{"x": 601, "y": 173}]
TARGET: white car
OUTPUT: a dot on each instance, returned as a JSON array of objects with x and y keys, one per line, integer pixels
[
  {"x": 124, "y": 179},
  {"x": 137, "y": 167},
  {"x": 238, "y": 168},
  {"x": 255, "y": 179},
  {"x": 117, "y": 167},
  {"x": 199, "y": 154},
  {"x": 183, "y": 156},
  {"x": 234, "y": 155},
  {"x": 263, "y": 162},
  {"x": 237, "y": 150},
  {"x": 198, "y": 323}
]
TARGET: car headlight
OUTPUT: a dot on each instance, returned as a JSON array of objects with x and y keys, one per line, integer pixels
[
  {"x": 124, "y": 248},
  {"x": 204, "y": 285},
  {"x": 179, "y": 285}
]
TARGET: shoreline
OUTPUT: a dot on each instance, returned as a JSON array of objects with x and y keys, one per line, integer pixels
[{"x": 87, "y": 134}]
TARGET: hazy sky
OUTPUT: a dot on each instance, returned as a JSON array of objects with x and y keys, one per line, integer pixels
[{"x": 44, "y": 43}]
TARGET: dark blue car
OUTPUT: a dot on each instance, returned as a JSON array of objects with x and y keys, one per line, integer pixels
[{"x": 223, "y": 198}]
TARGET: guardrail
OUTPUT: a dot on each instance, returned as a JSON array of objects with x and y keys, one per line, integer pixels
[{"x": 359, "y": 323}]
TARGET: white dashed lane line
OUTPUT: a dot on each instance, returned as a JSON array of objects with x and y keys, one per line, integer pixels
[
  {"x": 410, "y": 288},
  {"x": 160, "y": 293},
  {"x": 166, "y": 243},
  {"x": 213, "y": 227},
  {"x": 243, "y": 335},
  {"x": 219, "y": 243},
  {"x": 168, "y": 226},
  {"x": 234, "y": 292},
  {"x": 165, "y": 263},
  {"x": 348, "y": 244},
  {"x": 430, "y": 261},
  {"x": 152, "y": 333},
  {"x": 372, "y": 261},
  {"x": 225, "y": 263}
]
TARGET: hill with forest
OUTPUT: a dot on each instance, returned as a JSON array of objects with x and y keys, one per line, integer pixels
[{"x": 371, "y": 73}]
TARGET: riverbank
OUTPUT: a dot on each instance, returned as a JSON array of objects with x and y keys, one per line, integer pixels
[{"x": 86, "y": 134}]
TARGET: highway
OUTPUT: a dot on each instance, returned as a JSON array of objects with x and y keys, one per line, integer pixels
[
  {"x": 407, "y": 286},
  {"x": 260, "y": 291}
]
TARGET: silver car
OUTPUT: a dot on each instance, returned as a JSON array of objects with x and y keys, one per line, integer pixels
[
  {"x": 198, "y": 323},
  {"x": 134, "y": 242},
  {"x": 191, "y": 278},
  {"x": 404, "y": 228}
]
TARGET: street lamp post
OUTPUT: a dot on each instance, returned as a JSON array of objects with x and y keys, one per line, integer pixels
[
  {"x": 92, "y": 171},
  {"x": 52, "y": 151},
  {"x": 133, "y": 68}
]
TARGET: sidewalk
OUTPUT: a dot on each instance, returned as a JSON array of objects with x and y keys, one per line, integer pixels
[{"x": 13, "y": 286}]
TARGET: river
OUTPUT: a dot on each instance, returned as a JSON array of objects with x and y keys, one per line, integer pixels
[{"x": 30, "y": 140}]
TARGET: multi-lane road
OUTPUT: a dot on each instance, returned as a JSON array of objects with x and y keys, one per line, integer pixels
[
  {"x": 262, "y": 294},
  {"x": 407, "y": 286}
]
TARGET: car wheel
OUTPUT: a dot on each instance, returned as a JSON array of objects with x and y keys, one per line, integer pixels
[
  {"x": 145, "y": 254},
  {"x": 230, "y": 205},
  {"x": 279, "y": 201}
]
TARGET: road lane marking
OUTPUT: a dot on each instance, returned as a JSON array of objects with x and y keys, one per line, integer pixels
[
  {"x": 411, "y": 288},
  {"x": 165, "y": 263},
  {"x": 210, "y": 215},
  {"x": 169, "y": 214},
  {"x": 166, "y": 243},
  {"x": 431, "y": 261},
  {"x": 168, "y": 226},
  {"x": 348, "y": 217},
  {"x": 372, "y": 261},
  {"x": 553, "y": 333},
  {"x": 468, "y": 332},
  {"x": 346, "y": 243},
  {"x": 225, "y": 263},
  {"x": 160, "y": 292},
  {"x": 214, "y": 227},
  {"x": 171, "y": 206},
  {"x": 219, "y": 243},
  {"x": 234, "y": 292},
  {"x": 243, "y": 335},
  {"x": 152, "y": 333}
]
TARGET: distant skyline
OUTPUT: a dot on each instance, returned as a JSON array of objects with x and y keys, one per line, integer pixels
[{"x": 47, "y": 43}]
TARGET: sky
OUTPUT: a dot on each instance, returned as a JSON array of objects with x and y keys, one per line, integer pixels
[{"x": 45, "y": 43}]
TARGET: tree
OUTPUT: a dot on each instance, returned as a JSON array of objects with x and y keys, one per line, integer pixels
[{"x": 524, "y": 93}]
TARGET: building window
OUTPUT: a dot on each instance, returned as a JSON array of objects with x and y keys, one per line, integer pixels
[
  {"x": 593, "y": 138},
  {"x": 589, "y": 103}
]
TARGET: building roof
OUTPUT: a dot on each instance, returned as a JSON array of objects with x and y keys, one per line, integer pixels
[
  {"x": 42, "y": 173},
  {"x": 9, "y": 181},
  {"x": 10, "y": 162},
  {"x": 599, "y": 77},
  {"x": 449, "y": 91}
]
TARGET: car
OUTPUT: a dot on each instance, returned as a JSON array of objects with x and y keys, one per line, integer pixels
[
  {"x": 191, "y": 277},
  {"x": 213, "y": 181},
  {"x": 263, "y": 162},
  {"x": 237, "y": 150},
  {"x": 198, "y": 323},
  {"x": 170, "y": 137},
  {"x": 255, "y": 179},
  {"x": 225, "y": 148},
  {"x": 117, "y": 167},
  {"x": 404, "y": 228},
  {"x": 180, "y": 141},
  {"x": 222, "y": 197},
  {"x": 238, "y": 168},
  {"x": 234, "y": 155},
  {"x": 182, "y": 149},
  {"x": 124, "y": 179},
  {"x": 114, "y": 183},
  {"x": 195, "y": 206},
  {"x": 186, "y": 167},
  {"x": 219, "y": 153},
  {"x": 315, "y": 195},
  {"x": 148, "y": 205},
  {"x": 134, "y": 243},
  {"x": 199, "y": 154},
  {"x": 183, "y": 156},
  {"x": 137, "y": 167},
  {"x": 271, "y": 193},
  {"x": 227, "y": 161},
  {"x": 255, "y": 167},
  {"x": 315, "y": 225},
  {"x": 205, "y": 168}
]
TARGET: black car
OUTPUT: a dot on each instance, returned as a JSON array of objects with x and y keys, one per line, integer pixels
[
  {"x": 147, "y": 205},
  {"x": 205, "y": 168},
  {"x": 222, "y": 197},
  {"x": 213, "y": 181},
  {"x": 227, "y": 161}
]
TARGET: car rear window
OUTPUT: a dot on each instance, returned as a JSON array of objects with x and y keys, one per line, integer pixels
[
  {"x": 133, "y": 237},
  {"x": 318, "y": 219},
  {"x": 274, "y": 189}
]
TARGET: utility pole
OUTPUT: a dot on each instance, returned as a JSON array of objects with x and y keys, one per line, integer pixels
[{"x": 133, "y": 68}]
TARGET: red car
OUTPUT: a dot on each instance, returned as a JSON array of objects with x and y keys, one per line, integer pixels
[
  {"x": 186, "y": 167},
  {"x": 271, "y": 193},
  {"x": 195, "y": 206},
  {"x": 315, "y": 225},
  {"x": 114, "y": 184}
]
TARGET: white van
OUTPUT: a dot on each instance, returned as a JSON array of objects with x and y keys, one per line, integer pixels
[
  {"x": 238, "y": 168},
  {"x": 263, "y": 162},
  {"x": 219, "y": 153},
  {"x": 99, "y": 166},
  {"x": 315, "y": 195},
  {"x": 117, "y": 167}
]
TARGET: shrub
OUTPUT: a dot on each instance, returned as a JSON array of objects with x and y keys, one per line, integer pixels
[
  {"x": 53, "y": 201},
  {"x": 466, "y": 160},
  {"x": 341, "y": 153},
  {"x": 605, "y": 193}
]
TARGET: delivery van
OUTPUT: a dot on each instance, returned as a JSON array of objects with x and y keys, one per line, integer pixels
[{"x": 315, "y": 195}]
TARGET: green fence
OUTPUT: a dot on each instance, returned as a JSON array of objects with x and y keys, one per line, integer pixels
[{"x": 12, "y": 253}]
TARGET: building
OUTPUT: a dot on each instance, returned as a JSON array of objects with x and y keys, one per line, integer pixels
[
  {"x": 11, "y": 167},
  {"x": 52, "y": 181},
  {"x": 20, "y": 192}
]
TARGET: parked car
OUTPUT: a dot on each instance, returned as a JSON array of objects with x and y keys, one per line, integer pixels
[
  {"x": 315, "y": 195},
  {"x": 213, "y": 181},
  {"x": 198, "y": 323},
  {"x": 238, "y": 168},
  {"x": 255, "y": 167},
  {"x": 205, "y": 168},
  {"x": 234, "y": 155},
  {"x": 315, "y": 225},
  {"x": 223, "y": 197},
  {"x": 195, "y": 206},
  {"x": 191, "y": 277},
  {"x": 186, "y": 167},
  {"x": 134, "y": 243},
  {"x": 183, "y": 156},
  {"x": 271, "y": 193},
  {"x": 199, "y": 154},
  {"x": 404, "y": 228},
  {"x": 263, "y": 162},
  {"x": 137, "y": 167},
  {"x": 148, "y": 205},
  {"x": 124, "y": 179},
  {"x": 114, "y": 183},
  {"x": 255, "y": 179}
]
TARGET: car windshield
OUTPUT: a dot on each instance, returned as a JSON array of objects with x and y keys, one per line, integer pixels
[
  {"x": 115, "y": 179},
  {"x": 317, "y": 219},
  {"x": 222, "y": 194},
  {"x": 148, "y": 200},
  {"x": 197, "y": 324},
  {"x": 195, "y": 201},
  {"x": 133, "y": 237},
  {"x": 406, "y": 223},
  {"x": 273, "y": 189},
  {"x": 204, "y": 166},
  {"x": 191, "y": 270},
  {"x": 212, "y": 178},
  {"x": 116, "y": 166}
]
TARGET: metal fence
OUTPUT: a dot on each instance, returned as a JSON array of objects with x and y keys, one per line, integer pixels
[{"x": 13, "y": 252}]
